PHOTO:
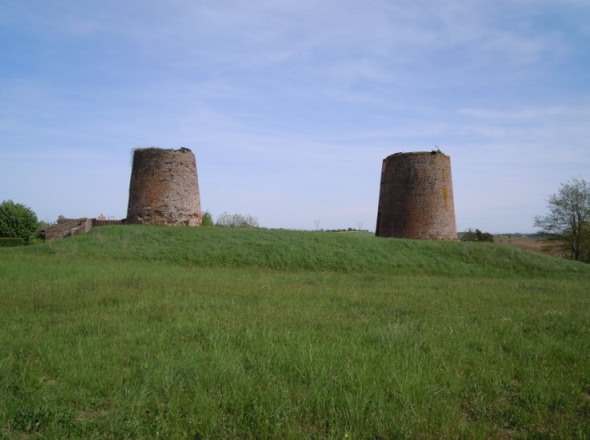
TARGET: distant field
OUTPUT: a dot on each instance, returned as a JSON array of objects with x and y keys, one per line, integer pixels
[
  {"x": 147, "y": 332},
  {"x": 526, "y": 243}
]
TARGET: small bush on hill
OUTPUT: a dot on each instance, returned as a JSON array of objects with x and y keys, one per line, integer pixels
[
  {"x": 17, "y": 221},
  {"x": 226, "y": 220},
  {"x": 207, "y": 219},
  {"x": 11, "y": 242},
  {"x": 477, "y": 235}
]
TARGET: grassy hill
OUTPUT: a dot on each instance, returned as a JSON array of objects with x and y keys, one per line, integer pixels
[
  {"x": 152, "y": 332},
  {"x": 308, "y": 251}
]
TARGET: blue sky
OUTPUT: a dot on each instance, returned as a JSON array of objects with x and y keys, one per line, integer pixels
[{"x": 290, "y": 106}]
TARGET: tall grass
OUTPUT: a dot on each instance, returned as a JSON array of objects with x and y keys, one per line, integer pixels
[
  {"x": 301, "y": 250},
  {"x": 102, "y": 339}
]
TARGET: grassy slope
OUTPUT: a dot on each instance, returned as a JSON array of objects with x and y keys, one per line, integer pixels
[
  {"x": 315, "y": 251},
  {"x": 139, "y": 332}
]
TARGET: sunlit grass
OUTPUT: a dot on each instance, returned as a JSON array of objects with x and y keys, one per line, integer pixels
[
  {"x": 306, "y": 251},
  {"x": 100, "y": 343}
]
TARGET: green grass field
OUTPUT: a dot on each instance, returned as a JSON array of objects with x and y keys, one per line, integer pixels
[{"x": 153, "y": 332}]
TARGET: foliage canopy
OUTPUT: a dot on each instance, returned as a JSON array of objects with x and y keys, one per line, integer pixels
[
  {"x": 17, "y": 221},
  {"x": 207, "y": 219},
  {"x": 227, "y": 220},
  {"x": 477, "y": 235},
  {"x": 568, "y": 220}
]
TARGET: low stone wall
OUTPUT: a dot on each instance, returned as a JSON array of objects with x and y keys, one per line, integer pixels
[
  {"x": 97, "y": 222},
  {"x": 70, "y": 227}
]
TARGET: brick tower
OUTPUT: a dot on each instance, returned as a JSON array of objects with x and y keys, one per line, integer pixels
[
  {"x": 164, "y": 188},
  {"x": 416, "y": 197}
]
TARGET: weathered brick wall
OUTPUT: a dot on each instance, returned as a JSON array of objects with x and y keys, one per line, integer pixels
[
  {"x": 164, "y": 188},
  {"x": 68, "y": 228},
  {"x": 416, "y": 197},
  {"x": 98, "y": 222}
]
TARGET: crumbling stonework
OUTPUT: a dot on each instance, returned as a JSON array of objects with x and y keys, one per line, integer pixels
[
  {"x": 164, "y": 188},
  {"x": 68, "y": 227},
  {"x": 416, "y": 197}
]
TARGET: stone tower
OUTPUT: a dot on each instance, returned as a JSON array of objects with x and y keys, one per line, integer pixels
[
  {"x": 164, "y": 188},
  {"x": 416, "y": 197}
]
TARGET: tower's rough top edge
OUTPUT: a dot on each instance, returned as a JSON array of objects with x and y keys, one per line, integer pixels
[
  {"x": 158, "y": 149},
  {"x": 418, "y": 153}
]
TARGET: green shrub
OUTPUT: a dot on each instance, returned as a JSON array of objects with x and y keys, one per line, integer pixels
[
  {"x": 11, "y": 242},
  {"x": 17, "y": 221},
  {"x": 207, "y": 219},
  {"x": 477, "y": 235},
  {"x": 226, "y": 220}
]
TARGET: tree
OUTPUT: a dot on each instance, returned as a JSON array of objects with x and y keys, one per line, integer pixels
[
  {"x": 207, "y": 219},
  {"x": 477, "y": 235},
  {"x": 568, "y": 221},
  {"x": 17, "y": 221},
  {"x": 237, "y": 221}
]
